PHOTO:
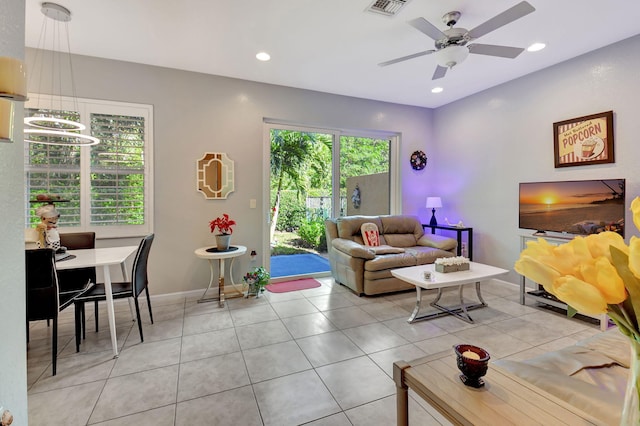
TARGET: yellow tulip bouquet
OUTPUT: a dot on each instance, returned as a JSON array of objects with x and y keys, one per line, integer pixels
[{"x": 594, "y": 275}]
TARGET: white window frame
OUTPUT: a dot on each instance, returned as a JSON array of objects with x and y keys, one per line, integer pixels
[{"x": 86, "y": 107}]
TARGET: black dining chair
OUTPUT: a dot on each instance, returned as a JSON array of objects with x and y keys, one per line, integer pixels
[
  {"x": 44, "y": 298},
  {"x": 120, "y": 290},
  {"x": 73, "y": 279}
]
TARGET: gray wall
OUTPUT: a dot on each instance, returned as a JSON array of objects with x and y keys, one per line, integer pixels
[
  {"x": 196, "y": 113},
  {"x": 487, "y": 143},
  {"x": 374, "y": 194},
  {"x": 479, "y": 148},
  {"x": 13, "y": 362}
]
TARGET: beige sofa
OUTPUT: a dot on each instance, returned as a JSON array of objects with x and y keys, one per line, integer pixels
[
  {"x": 590, "y": 375},
  {"x": 367, "y": 270}
]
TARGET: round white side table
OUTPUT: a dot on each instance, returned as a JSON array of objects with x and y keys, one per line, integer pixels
[{"x": 220, "y": 256}]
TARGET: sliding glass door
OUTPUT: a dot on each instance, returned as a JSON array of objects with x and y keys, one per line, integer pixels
[{"x": 315, "y": 174}]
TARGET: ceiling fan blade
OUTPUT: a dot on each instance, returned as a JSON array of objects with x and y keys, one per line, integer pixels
[
  {"x": 427, "y": 28},
  {"x": 516, "y": 12},
  {"x": 406, "y": 58},
  {"x": 439, "y": 72},
  {"x": 495, "y": 50}
]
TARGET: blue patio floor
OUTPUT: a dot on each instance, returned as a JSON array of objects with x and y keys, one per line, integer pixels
[{"x": 298, "y": 264}]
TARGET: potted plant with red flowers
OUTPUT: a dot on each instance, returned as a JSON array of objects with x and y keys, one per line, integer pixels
[
  {"x": 256, "y": 279},
  {"x": 224, "y": 224}
]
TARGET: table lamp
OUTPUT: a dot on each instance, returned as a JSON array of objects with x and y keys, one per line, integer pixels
[{"x": 433, "y": 203}]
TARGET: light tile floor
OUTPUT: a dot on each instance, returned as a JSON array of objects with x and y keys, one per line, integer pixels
[{"x": 321, "y": 356}]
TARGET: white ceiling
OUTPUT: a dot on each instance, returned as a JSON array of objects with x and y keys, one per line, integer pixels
[{"x": 334, "y": 46}]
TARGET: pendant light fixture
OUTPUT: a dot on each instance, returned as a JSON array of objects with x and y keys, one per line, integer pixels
[{"x": 45, "y": 125}]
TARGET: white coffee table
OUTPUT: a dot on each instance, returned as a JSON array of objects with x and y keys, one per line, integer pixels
[{"x": 477, "y": 272}]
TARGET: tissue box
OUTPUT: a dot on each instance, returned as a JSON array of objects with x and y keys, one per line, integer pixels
[{"x": 452, "y": 268}]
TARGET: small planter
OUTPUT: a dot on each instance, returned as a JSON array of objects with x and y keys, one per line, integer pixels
[
  {"x": 256, "y": 280},
  {"x": 254, "y": 289},
  {"x": 223, "y": 241}
]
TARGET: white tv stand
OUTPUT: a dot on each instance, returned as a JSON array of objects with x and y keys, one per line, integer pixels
[{"x": 537, "y": 293}]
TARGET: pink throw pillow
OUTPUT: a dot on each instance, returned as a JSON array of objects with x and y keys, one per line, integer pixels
[{"x": 370, "y": 234}]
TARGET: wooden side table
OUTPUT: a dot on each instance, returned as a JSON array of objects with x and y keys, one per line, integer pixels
[
  {"x": 211, "y": 255},
  {"x": 504, "y": 400}
]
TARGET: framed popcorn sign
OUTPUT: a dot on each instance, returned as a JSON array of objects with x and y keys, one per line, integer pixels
[{"x": 584, "y": 140}]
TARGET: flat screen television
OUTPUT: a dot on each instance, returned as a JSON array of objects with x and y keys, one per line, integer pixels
[{"x": 579, "y": 207}]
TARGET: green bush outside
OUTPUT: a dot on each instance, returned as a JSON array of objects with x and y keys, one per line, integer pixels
[
  {"x": 311, "y": 231},
  {"x": 292, "y": 210},
  {"x": 293, "y": 217}
]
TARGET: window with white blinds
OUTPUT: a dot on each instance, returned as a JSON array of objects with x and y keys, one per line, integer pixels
[{"x": 105, "y": 188}]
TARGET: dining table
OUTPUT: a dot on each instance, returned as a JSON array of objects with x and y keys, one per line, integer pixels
[{"x": 105, "y": 258}]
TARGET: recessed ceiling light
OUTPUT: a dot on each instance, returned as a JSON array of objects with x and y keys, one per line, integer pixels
[
  {"x": 263, "y": 56},
  {"x": 437, "y": 90},
  {"x": 536, "y": 47}
]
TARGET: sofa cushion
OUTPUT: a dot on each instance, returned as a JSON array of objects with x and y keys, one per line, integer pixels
[
  {"x": 437, "y": 241},
  {"x": 384, "y": 249},
  {"x": 349, "y": 227},
  {"x": 399, "y": 240},
  {"x": 390, "y": 261},
  {"x": 400, "y": 230},
  {"x": 351, "y": 248},
  {"x": 370, "y": 234},
  {"x": 401, "y": 224},
  {"x": 426, "y": 255}
]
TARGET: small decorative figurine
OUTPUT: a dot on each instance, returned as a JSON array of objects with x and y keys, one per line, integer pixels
[
  {"x": 6, "y": 418},
  {"x": 457, "y": 225},
  {"x": 355, "y": 197},
  {"x": 48, "y": 236}
]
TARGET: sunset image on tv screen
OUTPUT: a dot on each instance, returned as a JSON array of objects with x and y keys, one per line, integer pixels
[{"x": 574, "y": 207}]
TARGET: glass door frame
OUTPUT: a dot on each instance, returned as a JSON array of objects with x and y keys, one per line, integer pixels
[{"x": 395, "y": 193}]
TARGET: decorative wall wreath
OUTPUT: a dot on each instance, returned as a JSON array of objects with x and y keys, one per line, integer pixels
[{"x": 418, "y": 160}]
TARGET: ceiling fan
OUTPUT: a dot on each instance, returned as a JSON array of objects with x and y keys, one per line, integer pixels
[{"x": 451, "y": 45}]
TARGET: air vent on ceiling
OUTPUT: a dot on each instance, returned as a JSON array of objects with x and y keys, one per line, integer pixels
[{"x": 387, "y": 7}]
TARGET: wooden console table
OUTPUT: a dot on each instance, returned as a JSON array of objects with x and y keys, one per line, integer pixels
[{"x": 504, "y": 400}]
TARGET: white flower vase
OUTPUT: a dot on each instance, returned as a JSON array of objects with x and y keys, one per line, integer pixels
[
  {"x": 631, "y": 407},
  {"x": 223, "y": 241}
]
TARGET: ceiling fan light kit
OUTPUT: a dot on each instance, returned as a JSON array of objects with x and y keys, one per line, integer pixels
[
  {"x": 451, "y": 45},
  {"x": 451, "y": 55}
]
